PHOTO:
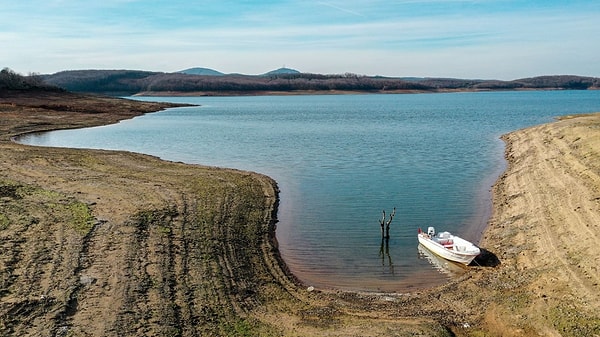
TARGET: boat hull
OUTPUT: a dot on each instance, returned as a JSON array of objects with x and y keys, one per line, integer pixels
[{"x": 464, "y": 257}]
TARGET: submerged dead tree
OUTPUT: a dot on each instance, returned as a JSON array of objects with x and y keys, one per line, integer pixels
[{"x": 386, "y": 224}]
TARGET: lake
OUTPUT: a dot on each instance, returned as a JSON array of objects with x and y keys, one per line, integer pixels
[{"x": 340, "y": 160}]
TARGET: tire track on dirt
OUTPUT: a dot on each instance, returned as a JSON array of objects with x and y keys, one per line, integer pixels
[
  {"x": 581, "y": 216},
  {"x": 557, "y": 237},
  {"x": 551, "y": 215}
]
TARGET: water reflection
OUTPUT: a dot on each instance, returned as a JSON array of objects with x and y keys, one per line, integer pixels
[
  {"x": 384, "y": 252},
  {"x": 442, "y": 265}
]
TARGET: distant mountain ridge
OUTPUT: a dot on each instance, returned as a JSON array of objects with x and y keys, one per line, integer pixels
[
  {"x": 205, "y": 81},
  {"x": 212, "y": 72},
  {"x": 201, "y": 71},
  {"x": 282, "y": 71}
]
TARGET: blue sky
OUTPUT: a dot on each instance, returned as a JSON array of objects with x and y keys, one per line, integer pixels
[{"x": 439, "y": 38}]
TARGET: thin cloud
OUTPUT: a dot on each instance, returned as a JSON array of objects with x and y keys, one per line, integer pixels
[{"x": 346, "y": 10}]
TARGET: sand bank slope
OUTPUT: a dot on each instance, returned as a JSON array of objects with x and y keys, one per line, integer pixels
[{"x": 546, "y": 230}]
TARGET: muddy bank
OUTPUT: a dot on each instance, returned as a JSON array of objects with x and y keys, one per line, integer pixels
[{"x": 106, "y": 243}]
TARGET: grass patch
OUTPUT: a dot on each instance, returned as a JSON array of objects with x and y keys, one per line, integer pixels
[
  {"x": 250, "y": 327},
  {"x": 4, "y": 222},
  {"x": 23, "y": 201},
  {"x": 570, "y": 321},
  {"x": 76, "y": 214},
  {"x": 82, "y": 218}
]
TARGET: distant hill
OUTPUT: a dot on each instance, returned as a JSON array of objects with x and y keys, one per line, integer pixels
[
  {"x": 285, "y": 80},
  {"x": 413, "y": 79},
  {"x": 201, "y": 71},
  {"x": 560, "y": 81},
  {"x": 281, "y": 71},
  {"x": 113, "y": 82},
  {"x": 211, "y": 72}
]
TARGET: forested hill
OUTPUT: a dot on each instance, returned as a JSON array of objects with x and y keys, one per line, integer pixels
[{"x": 130, "y": 82}]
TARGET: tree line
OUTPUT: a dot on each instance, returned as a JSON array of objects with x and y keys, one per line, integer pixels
[
  {"x": 129, "y": 82},
  {"x": 10, "y": 80},
  {"x": 126, "y": 81}
]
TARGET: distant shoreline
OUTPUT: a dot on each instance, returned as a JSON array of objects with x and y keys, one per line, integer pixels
[
  {"x": 135, "y": 82},
  {"x": 321, "y": 92}
]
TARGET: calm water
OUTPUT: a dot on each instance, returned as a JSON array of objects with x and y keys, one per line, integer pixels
[{"x": 341, "y": 160}]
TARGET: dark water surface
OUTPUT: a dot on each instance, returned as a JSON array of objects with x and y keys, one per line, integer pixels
[{"x": 341, "y": 160}]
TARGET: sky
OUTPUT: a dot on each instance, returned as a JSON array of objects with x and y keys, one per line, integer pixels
[{"x": 487, "y": 39}]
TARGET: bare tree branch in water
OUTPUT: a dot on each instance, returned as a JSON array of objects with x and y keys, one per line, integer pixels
[{"x": 386, "y": 224}]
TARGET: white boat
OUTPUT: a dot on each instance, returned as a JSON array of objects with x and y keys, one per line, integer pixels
[{"x": 448, "y": 246}]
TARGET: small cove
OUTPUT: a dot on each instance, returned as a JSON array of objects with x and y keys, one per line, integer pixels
[{"x": 340, "y": 160}]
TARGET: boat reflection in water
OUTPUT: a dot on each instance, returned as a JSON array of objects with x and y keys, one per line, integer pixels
[{"x": 444, "y": 266}]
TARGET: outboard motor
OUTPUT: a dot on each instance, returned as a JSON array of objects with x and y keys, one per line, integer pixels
[{"x": 431, "y": 231}]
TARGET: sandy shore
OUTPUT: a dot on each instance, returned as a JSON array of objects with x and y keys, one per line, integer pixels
[
  {"x": 545, "y": 230},
  {"x": 105, "y": 243}
]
